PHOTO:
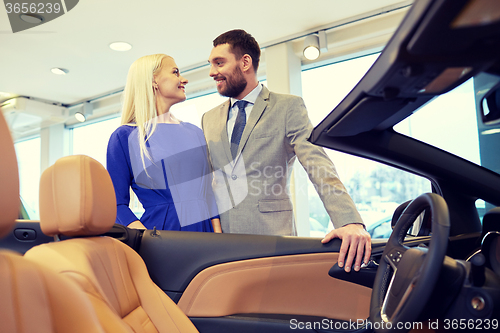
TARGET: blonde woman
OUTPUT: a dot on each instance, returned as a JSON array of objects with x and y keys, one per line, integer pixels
[{"x": 163, "y": 160}]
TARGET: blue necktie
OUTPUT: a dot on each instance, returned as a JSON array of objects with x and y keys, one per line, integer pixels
[{"x": 239, "y": 126}]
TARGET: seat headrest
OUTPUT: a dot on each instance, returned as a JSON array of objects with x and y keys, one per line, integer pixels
[
  {"x": 9, "y": 180},
  {"x": 77, "y": 198}
]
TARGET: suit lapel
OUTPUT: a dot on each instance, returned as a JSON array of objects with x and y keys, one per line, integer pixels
[
  {"x": 223, "y": 112},
  {"x": 257, "y": 110}
]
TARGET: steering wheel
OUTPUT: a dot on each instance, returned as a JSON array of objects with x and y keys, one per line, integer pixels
[{"x": 400, "y": 300}]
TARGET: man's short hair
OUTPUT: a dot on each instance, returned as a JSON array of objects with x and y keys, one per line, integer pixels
[{"x": 241, "y": 43}]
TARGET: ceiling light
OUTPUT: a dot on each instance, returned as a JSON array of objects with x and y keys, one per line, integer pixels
[
  {"x": 80, "y": 117},
  {"x": 120, "y": 46},
  {"x": 59, "y": 71},
  {"x": 315, "y": 44},
  {"x": 311, "y": 47},
  {"x": 31, "y": 18},
  {"x": 87, "y": 110}
]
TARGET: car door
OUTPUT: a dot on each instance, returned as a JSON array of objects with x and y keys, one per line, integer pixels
[{"x": 250, "y": 283}]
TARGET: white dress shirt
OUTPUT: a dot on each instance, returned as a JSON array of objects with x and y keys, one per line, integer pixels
[{"x": 233, "y": 110}]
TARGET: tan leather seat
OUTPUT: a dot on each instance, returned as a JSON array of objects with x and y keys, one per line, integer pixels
[
  {"x": 77, "y": 199},
  {"x": 33, "y": 298}
]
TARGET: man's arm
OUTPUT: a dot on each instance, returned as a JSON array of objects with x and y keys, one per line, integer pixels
[{"x": 348, "y": 224}]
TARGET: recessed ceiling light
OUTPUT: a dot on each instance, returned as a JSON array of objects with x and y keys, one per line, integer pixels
[
  {"x": 120, "y": 46},
  {"x": 31, "y": 18},
  {"x": 59, "y": 71}
]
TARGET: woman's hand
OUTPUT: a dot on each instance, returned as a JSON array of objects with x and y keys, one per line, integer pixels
[
  {"x": 136, "y": 225},
  {"x": 216, "y": 226}
]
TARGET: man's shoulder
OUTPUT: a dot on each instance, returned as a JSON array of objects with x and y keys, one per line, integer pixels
[
  {"x": 214, "y": 112},
  {"x": 283, "y": 97},
  {"x": 284, "y": 100},
  {"x": 217, "y": 108}
]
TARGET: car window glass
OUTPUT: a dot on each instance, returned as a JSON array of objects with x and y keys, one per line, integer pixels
[
  {"x": 448, "y": 122},
  {"x": 483, "y": 207},
  {"x": 377, "y": 190}
]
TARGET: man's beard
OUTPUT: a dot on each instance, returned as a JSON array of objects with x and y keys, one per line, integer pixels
[{"x": 235, "y": 84}]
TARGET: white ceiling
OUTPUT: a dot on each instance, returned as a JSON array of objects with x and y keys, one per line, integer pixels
[{"x": 78, "y": 40}]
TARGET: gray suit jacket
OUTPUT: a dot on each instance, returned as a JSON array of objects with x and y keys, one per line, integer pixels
[{"x": 253, "y": 190}]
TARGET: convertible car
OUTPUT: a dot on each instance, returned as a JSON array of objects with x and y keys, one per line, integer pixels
[{"x": 439, "y": 269}]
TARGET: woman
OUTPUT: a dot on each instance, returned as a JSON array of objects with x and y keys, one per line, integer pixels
[{"x": 162, "y": 159}]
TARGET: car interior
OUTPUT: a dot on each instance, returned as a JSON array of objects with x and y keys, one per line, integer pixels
[
  {"x": 110, "y": 272},
  {"x": 438, "y": 270},
  {"x": 33, "y": 298}
]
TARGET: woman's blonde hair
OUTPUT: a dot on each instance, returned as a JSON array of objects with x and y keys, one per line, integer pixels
[{"x": 139, "y": 99}]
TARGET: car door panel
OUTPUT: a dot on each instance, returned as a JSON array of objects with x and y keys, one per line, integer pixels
[
  {"x": 173, "y": 258},
  {"x": 249, "y": 282},
  {"x": 283, "y": 284},
  {"x": 252, "y": 283}
]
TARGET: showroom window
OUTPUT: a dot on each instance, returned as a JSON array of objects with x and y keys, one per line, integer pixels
[
  {"x": 193, "y": 109},
  {"x": 92, "y": 139},
  {"x": 323, "y": 88},
  {"x": 28, "y": 159},
  {"x": 376, "y": 189}
]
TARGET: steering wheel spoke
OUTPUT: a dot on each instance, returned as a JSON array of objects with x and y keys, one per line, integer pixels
[{"x": 398, "y": 303}]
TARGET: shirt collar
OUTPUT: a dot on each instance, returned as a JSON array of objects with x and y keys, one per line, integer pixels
[{"x": 251, "y": 97}]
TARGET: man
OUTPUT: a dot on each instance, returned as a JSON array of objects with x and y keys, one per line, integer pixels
[{"x": 252, "y": 147}]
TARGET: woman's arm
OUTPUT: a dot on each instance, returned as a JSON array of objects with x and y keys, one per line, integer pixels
[
  {"x": 216, "y": 226},
  {"x": 118, "y": 166}
]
